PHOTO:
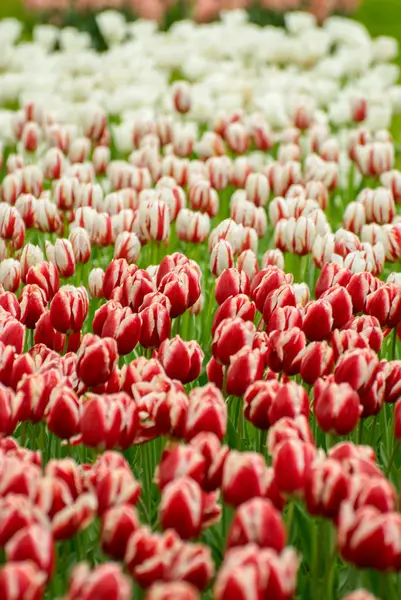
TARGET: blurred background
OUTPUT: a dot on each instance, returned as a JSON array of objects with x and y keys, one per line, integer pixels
[{"x": 381, "y": 17}]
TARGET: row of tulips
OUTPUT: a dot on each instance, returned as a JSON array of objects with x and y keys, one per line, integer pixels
[{"x": 199, "y": 352}]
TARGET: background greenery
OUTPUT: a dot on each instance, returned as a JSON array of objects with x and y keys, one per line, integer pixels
[{"x": 381, "y": 17}]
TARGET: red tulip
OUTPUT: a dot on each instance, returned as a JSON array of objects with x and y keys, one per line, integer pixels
[
  {"x": 96, "y": 359},
  {"x": 291, "y": 401},
  {"x": 292, "y": 461},
  {"x": 318, "y": 320},
  {"x": 34, "y": 543},
  {"x": 230, "y": 336},
  {"x": 182, "y": 461},
  {"x": 33, "y": 303},
  {"x": 258, "y": 400},
  {"x": 257, "y": 522},
  {"x": 207, "y": 411},
  {"x": 101, "y": 422},
  {"x": 45, "y": 275},
  {"x": 337, "y": 407},
  {"x": 245, "y": 476},
  {"x": 284, "y": 350},
  {"x": 63, "y": 412},
  {"x": 246, "y": 366},
  {"x": 17, "y": 579},
  {"x": 68, "y": 309},
  {"x": 181, "y": 360},
  {"x": 236, "y": 306},
  {"x": 230, "y": 283},
  {"x": 118, "y": 524},
  {"x": 181, "y": 507},
  {"x": 105, "y": 582},
  {"x": 317, "y": 360},
  {"x": 156, "y": 326},
  {"x": 327, "y": 486}
]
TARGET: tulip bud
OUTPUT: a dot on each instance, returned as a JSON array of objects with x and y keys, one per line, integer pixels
[
  {"x": 244, "y": 477},
  {"x": 230, "y": 336},
  {"x": 64, "y": 258},
  {"x": 291, "y": 401},
  {"x": 246, "y": 366},
  {"x": 81, "y": 245},
  {"x": 327, "y": 486},
  {"x": 104, "y": 582},
  {"x": 10, "y": 274},
  {"x": 16, "y": 578},
  {"x": 33, "y": 304},
  {"x": 181, "y": 507},
  {"x": 257, "y": 522},
  {"x": 284, "y": 350},
  {"x": 96, "y": 359},
  {"x": 292, "y": 461},
  {"x": 128, "y": 246},
  {"x": 274, "y": 258},
  {"x": 221, "y": 257},
  {"x": 34, "y": 543},
  {"x": 178, "y": 590},
  {"x": 95, "y": 283},
  {"x": 257, "y": 189},
  {"x": 181, "y": 360},
  {"x": 181, "y": 96},
  {"x": 156, "y": 326},
  {"x": 336, "y": 406},
  {"x": 68, "y": 309},
  {"x": 207, "y": 411},
  {"x": 118, "y": 524},
  {"x": 300, "y": 235},
  {"x": 230, "y": 283}
]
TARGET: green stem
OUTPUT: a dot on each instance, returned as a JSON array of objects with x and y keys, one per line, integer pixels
[
  {"x": 392, "y": 457},
  {"x": 394, "y": 344}
]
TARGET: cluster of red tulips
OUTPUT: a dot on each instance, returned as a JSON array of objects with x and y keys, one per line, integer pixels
[{"x": 199, "y": 379}]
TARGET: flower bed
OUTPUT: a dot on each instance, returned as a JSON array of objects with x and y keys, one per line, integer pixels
[{"x": 200, "y": 306}]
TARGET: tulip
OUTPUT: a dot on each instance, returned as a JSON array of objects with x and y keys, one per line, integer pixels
[
  {"x": 246, "y": 366},
  {"x": 33, "y": 543},
  {"x": 118, "y": 524},
  {"x": 33, "y": 303},
  {"x": 181, "y": 507},
  {"x": 63, "y": 412},
  {"x": 317, "y": 360},
  {"x": 95, "y": 283},
  {"x": 234, "y": 307},
  {"x": 279, "y": 297},
  {"x": 18, "y": 577},
  {"x": 156, "y": 326},
  {"x": 12, "y": 332},
  {"x": 298, "y": 458},
  {"x": 68, "y": 309},
  {"x": 284, "y": 350},
  {"x": 10, "y": 274},
  {"x": 336, "y": 406},
  {"x": 81, "y": 245},
  {"x": 181, "y": 360},
  {"x": 360, "y": 595},
  {"x": 96, "y": 359},
  {"x": 291, "y": 401},
  {"x": 257, "y": 522},
  {"x": 105, "y": 582},
  {"x": 45, "y": 275},
  {"x": 221, "y": 257},
  {"x": 230, "y": 283},
  {"x": 173, "y": 591},
  {"x": 207, "y": 411},
  {"x": 128, "y": 246},
  {"x": 244, "y": 477},
  {"x": 363, "y": 537},
  {"x": 327, "y": 486}
]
